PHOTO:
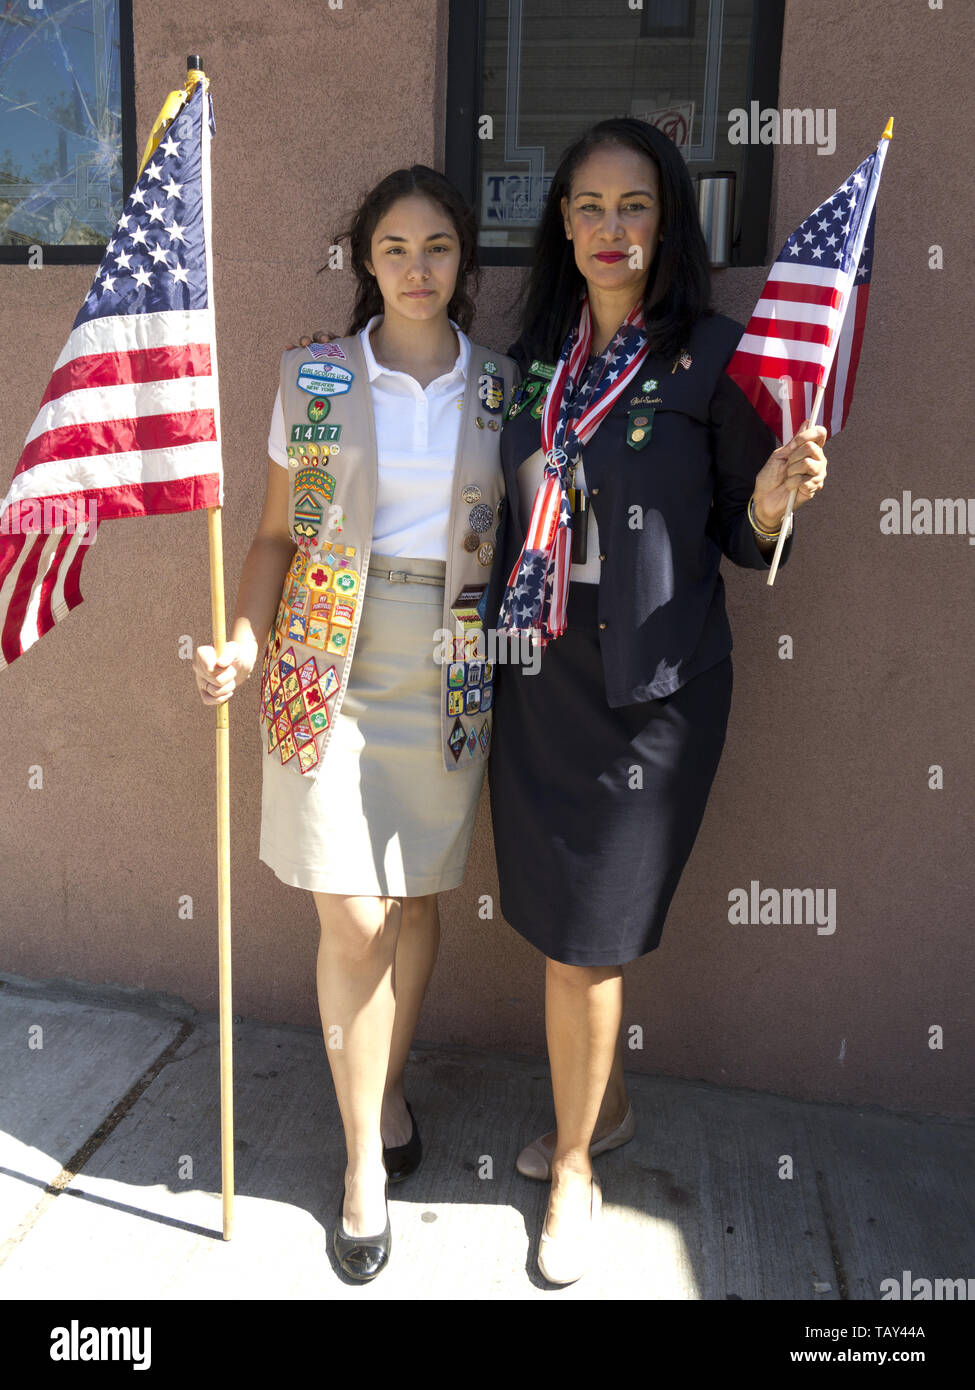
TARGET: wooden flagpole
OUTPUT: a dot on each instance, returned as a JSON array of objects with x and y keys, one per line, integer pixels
[
  {"x": 215, "y": 532},
  {"x": 171, "y": 109}
]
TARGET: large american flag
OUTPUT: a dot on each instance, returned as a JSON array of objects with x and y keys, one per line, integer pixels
[
  {"x": 129, "y": 424},
  {"x": 807, "y": 328}
]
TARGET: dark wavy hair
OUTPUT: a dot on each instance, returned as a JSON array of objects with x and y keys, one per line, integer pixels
[
  {"x": 678, "y": 290},
  {"x": 402, "y": 183}
]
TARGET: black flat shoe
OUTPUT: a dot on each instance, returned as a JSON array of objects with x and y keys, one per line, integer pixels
[
  {"x": 362, "y": 1257},
  {"x": 405, "y": 1158}
]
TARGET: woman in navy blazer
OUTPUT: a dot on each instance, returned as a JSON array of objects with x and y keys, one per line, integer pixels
[{"x": 603, "y": 760}]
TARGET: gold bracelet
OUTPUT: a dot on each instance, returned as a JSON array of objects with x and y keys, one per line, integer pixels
[{"x": 753, "y": 522}]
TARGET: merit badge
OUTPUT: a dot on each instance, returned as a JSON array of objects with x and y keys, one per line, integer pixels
[
  {"x": 484, "y": 737},
  {"x": 475, "y": 670},
  {"x": 526, "y": 392},
  {"x": 455, "y": 676},
  {"x": 455, "y": 702},
  {"x": 471, "y": 494},
  {"x": 485, "y": 553},
  {"x": 324, "y": 379},
  {"x": 487, "y": 698},
  {"x": 478, "y": 422},
  {"x": 472, "y": 701},
  {"x": 343, "y": 614},
  {"x": 490, "y": 392},
  {"x": 456, "y": 739},
  {"x": 481, "y": 517},
  {"x": 317, "y": 634},
  {"x": 638, "y": 429},
  {"x": 490, "y": 366},
  {"x": 345, "y": 582},
  {"x": 472, "y": 739},
  {"x": 318, "y": 409},
  {"x": 471, "y": 541},
  {"x": 539, "y": 405},
  {"x": 493, "y": 425},
  {"x": 338, "y": 641},
  {"x": 466, "y": 607}
]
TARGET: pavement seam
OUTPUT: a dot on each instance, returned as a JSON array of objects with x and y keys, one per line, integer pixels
[
  {"x": 93, "y": 1143},
  {"x": 834, "y": 1249}
]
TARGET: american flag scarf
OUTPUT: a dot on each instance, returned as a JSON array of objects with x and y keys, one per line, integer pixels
[{"x": 579, "y": 399}]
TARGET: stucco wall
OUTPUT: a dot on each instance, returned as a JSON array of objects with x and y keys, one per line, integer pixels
[{"x": 824, "y": 781}]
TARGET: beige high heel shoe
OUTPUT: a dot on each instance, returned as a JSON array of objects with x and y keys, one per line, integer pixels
[
  {"x": 535, "y": 1159},
  {"x": 564, "y": 1258}
]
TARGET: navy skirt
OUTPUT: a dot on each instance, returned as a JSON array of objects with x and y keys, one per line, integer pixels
[{"x": 596, "y": 810}]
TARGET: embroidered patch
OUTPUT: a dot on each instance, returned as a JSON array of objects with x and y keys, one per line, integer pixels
[
  {"x": 490, "y": 392},
  {"x": 456, "y": 739},
  {"x": 485, "y": 552},
  {"x": 639, "y": 428},
  {"x": 455, "y": 676},
  {"x": 471, "y": 494},
  {"x": 320, "y": 350},
  {"x": 472, "y": 701},
  {"x": 471, "y": 743},
  {"x": 471, "y": 541},
  {"x": 324, "y": 379},
  {"x": 484, "y": 737},
  {"x": 455, "y": 702},
  {"x": 487, "y": 698},
  {"x": 318, "y": 409},
  {"x": 475, "y": 671},
  {"x": 338, "y": 641}
]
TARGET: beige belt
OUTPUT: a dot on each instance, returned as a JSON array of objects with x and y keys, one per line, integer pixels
[{"x": 397, "y": 569}]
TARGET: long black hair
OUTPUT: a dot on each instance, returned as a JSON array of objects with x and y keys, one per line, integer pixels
[
  {"x": 678, "y": 290},
  {"x": 402, "y": 183}
]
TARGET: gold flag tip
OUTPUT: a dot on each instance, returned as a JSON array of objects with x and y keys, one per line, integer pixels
[{"x": 888, "y": 130}]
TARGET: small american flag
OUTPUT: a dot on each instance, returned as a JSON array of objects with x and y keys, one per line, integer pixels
[
  {"x": 129, "y": 424},
  {"x": 807, "y": 328}
]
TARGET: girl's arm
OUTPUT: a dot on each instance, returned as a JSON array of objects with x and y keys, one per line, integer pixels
[{"x": 261, "y": 581}]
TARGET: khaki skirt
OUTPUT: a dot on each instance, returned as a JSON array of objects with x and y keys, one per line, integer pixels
[{"x": 384, "y": 818}]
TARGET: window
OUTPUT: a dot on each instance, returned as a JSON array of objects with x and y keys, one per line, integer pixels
[
  {"x": 67, "y": 126},
  {"x": 544, "y": 70}
]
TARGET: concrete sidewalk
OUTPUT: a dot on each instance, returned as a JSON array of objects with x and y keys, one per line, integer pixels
[{"x": 118, "y": 1113}]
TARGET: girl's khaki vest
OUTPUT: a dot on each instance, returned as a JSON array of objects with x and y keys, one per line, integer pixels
[{"x": 333, "y": 467}]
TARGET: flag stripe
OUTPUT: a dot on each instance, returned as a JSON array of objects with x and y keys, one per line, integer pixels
[
  {"x": 789, "y": 328},
  {"x": 106, "y": 404},
  {"x": 824, "y": 295},
  {"x": 134, "y": 433},
  {"x": 68, "y": 478},
  {"x": 134, "y": 333},
  {"x": 141, "y": 365}
]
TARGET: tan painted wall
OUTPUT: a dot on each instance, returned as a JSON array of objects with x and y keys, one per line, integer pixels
[{"x": 824, "y": 781}]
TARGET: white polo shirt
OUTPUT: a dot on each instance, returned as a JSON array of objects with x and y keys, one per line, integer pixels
[{"x": 416, "y": 439}]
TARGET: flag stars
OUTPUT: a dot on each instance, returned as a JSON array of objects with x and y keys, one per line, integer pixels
[
  {"x": 153, "y": 171},
  {"x": 143, "y": 278},
  {"x": 171, "y": 146},
  {"x": 172, "y": 189},
  {"x": 123, "y": 223},
  {"x": 139, "y": 237},
  {"x": 158, "y": 254},
  {"x": 138, "y": 196},
  {"x": 156, "y": 212},
  {"x": 123, "y": 260},
  {"x": 176, "y": 232},
  {"x": 108, "y": 282},
  {"x": 178, "y": 273}
]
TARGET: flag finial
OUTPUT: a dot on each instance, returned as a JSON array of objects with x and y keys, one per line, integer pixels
[{"x": 888, "y": 130}]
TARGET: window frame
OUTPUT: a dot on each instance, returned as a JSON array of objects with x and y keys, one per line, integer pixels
[
  {"x": 462, "y": 164},
  {"x": 92, "y": 255}
]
